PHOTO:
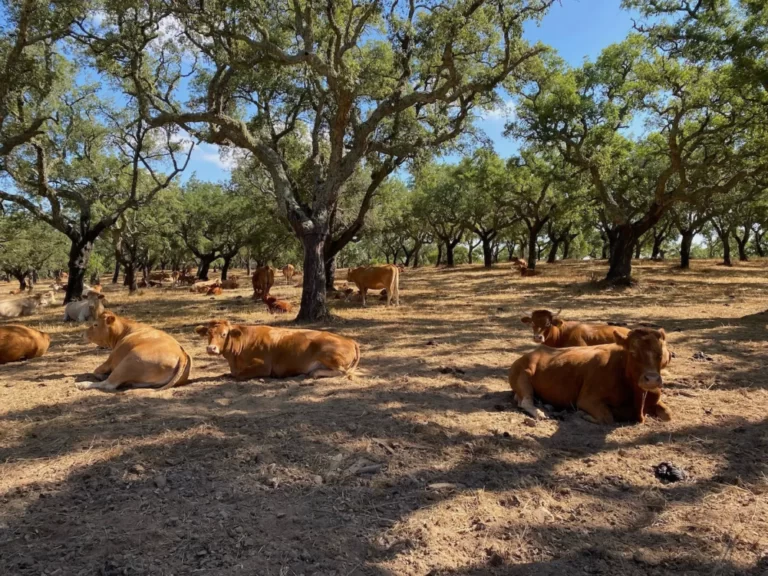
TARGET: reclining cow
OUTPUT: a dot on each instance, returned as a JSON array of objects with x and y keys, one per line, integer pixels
[
  {"x": 610, "y": 382},
  {"x": 84, "y": 310},
  {"x": 263, "y": 351},
  {"x": 22, "y": 343},
  {"x": 141, "y": 357},
  {"x": 25, "y": 306}
]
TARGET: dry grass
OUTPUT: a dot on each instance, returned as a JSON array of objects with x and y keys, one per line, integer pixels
[{"x": 259, "y": 478}]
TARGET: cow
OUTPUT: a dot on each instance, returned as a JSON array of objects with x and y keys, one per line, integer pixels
[
  {"x": 230, "y": 283},
  {"x": 141, "y": 356},
  {"x": 159, "y": 276},
  {"x": 263, "y": 279},
  {"x": 263, "y": 351},
  {"x": 518, "y": 264},
  {"x": 276, "y": 306},
  {"x": 25, "y": 306},
  {"x": 551, "y": 331},
  {"x": 386, "y": 276},
  {"x": 22, "y": 343},
  {"x": 610, "y": 382},
  {"x": 288, "y": 271},
  {"x": 88, "y": 309},
  {"x": 203, "y": 287},
  {"x": 214, "y": 291}
]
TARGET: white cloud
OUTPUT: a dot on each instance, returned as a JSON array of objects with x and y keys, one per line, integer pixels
[
  {"x": 504, "y": 111},
  {"x": 223, "y": 158}
]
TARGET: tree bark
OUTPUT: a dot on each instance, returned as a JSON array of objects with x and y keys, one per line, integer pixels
[
  {"x": 638, "y": 247},
  {"x": 248, "y": 262},
  {"x": 205, "y": 266},
  {"x": 566, "y": 248},
  {"x": 416, "y": 252},
  {"x": 741, "y": 243},
  {"x": 225, "y": 268},
  {"x": 552, "y": 257},
  {"x": 685, "y": 249},
  {"x": 79, "y": 254},
  {"x": 727, "y": 252},
  {"x": 532, "y": 247},
  {"x": 759, "y": 244},
  {"x": 439, "y": 254},
  {"x": 116, "y": 274},
  {"x": 487, "y": 251},
  {"x": 449, "y": 246},
  {"x": 22, "y": 279},
  {"x": 130, "y": 278},
  {"x": 330, "y": 273},
  {"x": 313, "y": 303},
  {"x": 471, "y": 246},
  {"x": 620, "y": 269}
]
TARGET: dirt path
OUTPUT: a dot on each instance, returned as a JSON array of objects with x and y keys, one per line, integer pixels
[{"x": 419, "y": 465}]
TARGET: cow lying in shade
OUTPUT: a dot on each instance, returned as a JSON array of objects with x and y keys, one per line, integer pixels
[
  {"x": 610, "y": 382},
  {"x": 22, "y": 343},
  {"x": 276, "y": 306},
  {"x": 261, "y": 351},
  {"x": 25, "y": 306},
  {"x": 84, "y": 310},
  {"x": 141, "y": 357}
]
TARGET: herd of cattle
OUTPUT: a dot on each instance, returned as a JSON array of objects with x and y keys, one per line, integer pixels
[{"x": 609, "y": 372}]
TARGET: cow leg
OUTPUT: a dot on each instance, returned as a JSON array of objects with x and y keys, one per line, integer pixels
[
  {"x": 102, "y": 371},
  {"x": 660, "y": 411},
  {"x": 256, "y": 370},
  {"x": 527, "y": 405},
  {"x": 326, "y": 373},
  {"x": 362, "y": 295},
  {"x": 597, "y": 409}
]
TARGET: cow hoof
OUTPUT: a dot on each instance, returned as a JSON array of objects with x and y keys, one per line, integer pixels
[
  {"x": 83, "y": 385},
  {"x": 539, "y": 414}
]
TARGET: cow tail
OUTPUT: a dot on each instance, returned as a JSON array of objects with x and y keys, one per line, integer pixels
[
  {"x": 356, "y": 361},
  {"x": 183, "y": 366}
]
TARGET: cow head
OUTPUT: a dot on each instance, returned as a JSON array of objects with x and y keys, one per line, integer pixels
[
  {"x": 96, "y": 303},
  {"x": 541, "y": 321},
  {"x": 647, "y": 354},
  {"x": 104, "y": 330},
  {"x": 218, "y": 333}
]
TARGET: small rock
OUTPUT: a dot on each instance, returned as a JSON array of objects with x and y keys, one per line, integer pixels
[
  {"x": 543, "y": 516},
  {"x": 530, "y": 422},
  {"x": 137, "y": 469},
  {"x": 223, "y": 401},
  {"x": 667, "y": 472},
  {"x": 280, "y": 514},
  {"x": 317, "y": 479},
  {"x": 702, "y": 356},
  {"x": 643, "y": 557},
  {"x": 201, "y": 553},
  {"x": 431, "y": 343},
  {"x": 494, "y": 558},
  {"x": 160, "y": 481},
  {"x": 273, "y": 482}
]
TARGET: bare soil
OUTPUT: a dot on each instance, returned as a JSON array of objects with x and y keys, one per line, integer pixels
[{"x": 419, "y": 464}]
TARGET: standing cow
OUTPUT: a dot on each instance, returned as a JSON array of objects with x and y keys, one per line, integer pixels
[
  {"x": 385, "y": 276},
  {"x": 288, "y": 271},
  {"x": 263, "y": 279}
]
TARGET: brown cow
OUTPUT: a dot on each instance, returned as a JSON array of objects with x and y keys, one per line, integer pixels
[
  {"x": 230, "y": 283},
  {"x": 263, "y": 279},
  {"x": 141, "y": 356},
  {"x": 22, "y": 343},
  {"x": 385, "y": 276},
  {"x": 288, "y": 271},
  {"x": 214, "y": 291},
  {"x": 261, "y": 351},
  {"x": 609, "y": 382},
  {"x": 551, "y": 331},
  {"x": 276, "y": 306}
]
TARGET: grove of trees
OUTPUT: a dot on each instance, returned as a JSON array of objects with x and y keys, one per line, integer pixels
[{"x": 353, "y": 129}]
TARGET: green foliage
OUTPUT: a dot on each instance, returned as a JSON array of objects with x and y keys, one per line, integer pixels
[{"x": 27, "y": 244}]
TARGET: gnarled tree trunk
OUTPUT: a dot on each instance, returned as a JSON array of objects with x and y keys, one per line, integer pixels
[
  {"x": 313, "y": 303},
  {"x": 79, "y": 254},
  {"x": 685, "y": 248}
]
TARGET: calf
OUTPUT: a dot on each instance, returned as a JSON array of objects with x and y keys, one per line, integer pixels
[
  {"x": 288, "y": 271},
  {"x": 230, "y": 283},
  {"x": 141, "y": 357},
  {"x": 610, "y": 382},
  {"x": 25, "y": 306},
  {"x": 88, "y": 309},
  {"x": 22, "y": 343},
  {"x": 214, "y": 291},
  {"x": 386, "y": 276},
  {"x": 276, "y": 306},
  {"x": 261, "y": 351}
]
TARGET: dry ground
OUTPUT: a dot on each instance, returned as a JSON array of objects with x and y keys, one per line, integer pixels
[{"x": 265, "y": 477}]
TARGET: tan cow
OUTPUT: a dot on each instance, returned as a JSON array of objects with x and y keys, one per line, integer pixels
[
  {"x": 25, "y": 306},
  {"x": 141, "y": 357},
  {"x": 22, "y": 343},
  {"x": 88, "y": 309},
  {"x": 610, "y": 382},
  {"x": 263, "y": 279},
  {"x": 230, "y": 283},
  {"x": 261, "y": 351},
  {"x": 288, "y": 271},
  {"x": 203, "y": 287},
  {"x": 550, "y": 330},
  {"x": 385, "y": 276}
]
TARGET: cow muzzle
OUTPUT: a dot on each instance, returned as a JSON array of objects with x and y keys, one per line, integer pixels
[
  {"x": 650, "y": 381},
  {"x": 213, "y": 350},
  {"x": 538, "y": 338}
]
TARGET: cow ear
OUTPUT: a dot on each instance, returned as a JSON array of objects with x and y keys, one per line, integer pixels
[
  {"x": 620, "y": 340},
  {"x": 201, "y": 330},
  {"x": 526, "y": 320},
  {"x": 662, "y": 334},
  {"x": 235, "y": 333},
  {"x": 101, "y": 296},
  {"x": 557, "y": 322},
  {"x": 109, "y": 319}
]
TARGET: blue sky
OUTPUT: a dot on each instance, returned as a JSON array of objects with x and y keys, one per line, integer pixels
[{"x": 577, "y": 29}]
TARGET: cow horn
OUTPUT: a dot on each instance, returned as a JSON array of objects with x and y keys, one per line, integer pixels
[{"x": 556, "y": 314}]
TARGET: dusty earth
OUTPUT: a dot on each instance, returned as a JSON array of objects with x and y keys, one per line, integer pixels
[{"x": 419, "y": 465}]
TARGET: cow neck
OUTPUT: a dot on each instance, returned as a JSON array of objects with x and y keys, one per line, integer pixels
[
  {"x": 124, "y": 328},
  {"x": 232, "y": 348},
  {"x": 553, "y": 337}
]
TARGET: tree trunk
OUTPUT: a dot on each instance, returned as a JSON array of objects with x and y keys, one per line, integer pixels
[
  {"x": 510, "y": 251},
  {"x": 471, "y": 246},
  {"x": 22, "y": 279},
  {"x": 79, "y": 254},
  {"x": 439, "y": 255},
  {"x": 759, "y": 245},
  {"x": 638, "y": 247},
  {"x": 532, "y": 248},
  {"x": 620, "y": 270},
  {"x": 225, "y": 268},
  {"x": 416, "y": 252},
  {"x": 685, "y": 249},
  {"x": 205, "y": 266},
  {"x": 552, "y": 257},
  {"x": 130, "y": 278},
  {"x": 116, "y": 274},
  {"x": 330, "y": 273},
  {"x": 487, "y": 252},
  {"x": 604, "y": 252},
  {"x": 449, "y": 246},
  {"x": 566, "y": 248},
  {"x": 496, "y": 249},
  {"x": 248, "y": 262},
  {"x": 742, "y": 246},
  {"x": 313, "y": 304},
  {"x": 727, "y": 251},
  {"x": 656, "y": 250}
]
